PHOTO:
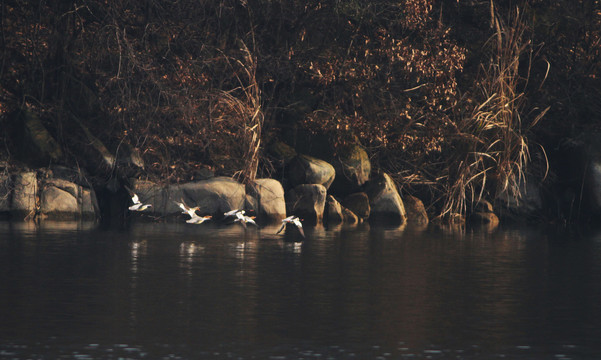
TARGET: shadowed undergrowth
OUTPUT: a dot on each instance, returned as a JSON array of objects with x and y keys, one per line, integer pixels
[{"x": 444, "y": 95}]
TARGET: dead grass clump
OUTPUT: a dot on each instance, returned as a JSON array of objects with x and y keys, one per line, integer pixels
[{"x": 492, "y": 144}]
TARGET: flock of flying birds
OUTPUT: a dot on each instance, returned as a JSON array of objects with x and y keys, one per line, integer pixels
[{"x": 238, "y": 215}]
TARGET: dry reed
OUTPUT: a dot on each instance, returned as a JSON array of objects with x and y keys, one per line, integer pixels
[{"x": 494, "y": 143}]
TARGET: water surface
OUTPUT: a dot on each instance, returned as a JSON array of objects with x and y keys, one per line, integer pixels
[{"x": 180, "y": 291}]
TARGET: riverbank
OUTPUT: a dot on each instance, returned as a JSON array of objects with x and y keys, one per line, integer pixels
[{"x": 450, "y": 103}]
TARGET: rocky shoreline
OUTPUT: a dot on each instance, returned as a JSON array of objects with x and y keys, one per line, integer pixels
[
  {"x": 340, "y": 188},
  {"x": 348, "y": 192}
]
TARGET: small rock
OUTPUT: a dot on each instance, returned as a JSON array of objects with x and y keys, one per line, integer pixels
[
  {"x": 333, "y": 211},
  {"x": 358, "y": 203},
  {"x": 483, "y": 206},
  {"x": 349, "y": 216},
  {"x": 484, "y": 218},
  {"x": 416, "y": 212}
]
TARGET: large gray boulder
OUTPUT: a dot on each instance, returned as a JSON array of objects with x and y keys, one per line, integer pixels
[
  {"x": 25, "y": 196},
  {"x": 353, "y": 169},
  {"x": 213, "y": 196},
  {"x": 304, "y": 169},
  {"x": 5, "y": 193},
  {"x": 24, "y": 192},
  {"x": 64, "y": 200},
  {"x": 385, "y": 202},
  {"x": 307, "y": 201},
  {"x": 267, "y": 199}
]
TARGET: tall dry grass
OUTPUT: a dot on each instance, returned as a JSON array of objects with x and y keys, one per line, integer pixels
[
  {"x": 243, "y": 105},
  {"x": 494, "y": 149}
]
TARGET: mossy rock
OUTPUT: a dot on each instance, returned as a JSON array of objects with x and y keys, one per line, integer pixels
[
  {"x": 282, "y": 152},
  {"x": 416, "y": 212},
  {"x": 353, "y": 169},
  {"x": 386, "y": 204},
  {"x": 304, "y": 169}
]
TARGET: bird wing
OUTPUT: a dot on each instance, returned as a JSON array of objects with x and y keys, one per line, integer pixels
[
  {"x": 231, "y": 212},
  {"x": 299, "y": 225},
  {"x": 281, "y": 227},
  {"x": 193, "y": 219},
  {"x": 182, "y": 206},
  {"x": 135, "y": 199}
]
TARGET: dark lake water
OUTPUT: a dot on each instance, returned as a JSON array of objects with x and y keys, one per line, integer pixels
[{"x": 180, "y": 291}]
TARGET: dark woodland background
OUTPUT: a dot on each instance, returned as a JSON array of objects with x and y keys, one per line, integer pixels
[{"x": 451, "y": 97}]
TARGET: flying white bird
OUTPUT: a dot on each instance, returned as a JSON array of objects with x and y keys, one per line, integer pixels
[
  {"x": 187, "y": 210},
  {"x": 195, "y": 219},
  {"x": 137, "y": 206},
  {"x": 292, "y": 220},
  {"x": 243, "y": 219},
  {"x": 233, "y": 213}
]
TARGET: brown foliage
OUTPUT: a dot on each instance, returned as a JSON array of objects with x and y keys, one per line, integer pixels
[{"x": 193, "y": 84}]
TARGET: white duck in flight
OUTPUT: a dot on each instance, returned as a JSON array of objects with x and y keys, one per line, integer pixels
[
  {"x": 232, "y": 213},
  {"x": 195, "y": 219},
  {"x": 243, "y": 219},
  {"x": 137, "y": 206},
  {"x": 292, "y": 220},
  {"x": 187, "y": 210}
]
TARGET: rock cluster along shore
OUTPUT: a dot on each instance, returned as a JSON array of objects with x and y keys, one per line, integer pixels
[
  {"x": 311, "y": 188},
  {"x": 342, "y": 188},
  {"x": 47, "y": 194}
]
